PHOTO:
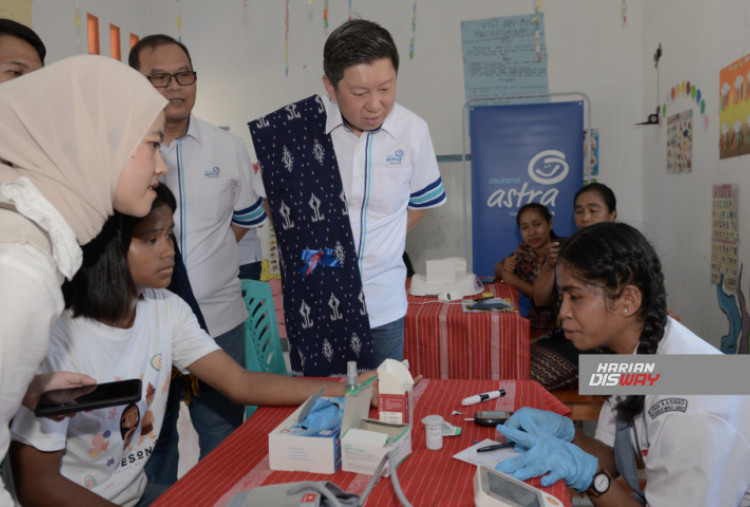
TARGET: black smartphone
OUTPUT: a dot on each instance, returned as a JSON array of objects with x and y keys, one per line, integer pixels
[
  {"x": 491, "y": 417},
  {"x": 77, "y": 399}
]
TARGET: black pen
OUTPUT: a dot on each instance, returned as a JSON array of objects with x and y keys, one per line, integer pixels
[{"x": 495, "y": 447}]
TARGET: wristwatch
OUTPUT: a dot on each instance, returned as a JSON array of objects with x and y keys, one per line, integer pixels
[{"x": 600, "y": 484}]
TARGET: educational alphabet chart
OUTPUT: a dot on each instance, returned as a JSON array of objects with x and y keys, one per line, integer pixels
[{"x": 724, "y": 237}]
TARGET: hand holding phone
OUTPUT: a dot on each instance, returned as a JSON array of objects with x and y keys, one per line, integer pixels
[{"x": 90, "y": 397}]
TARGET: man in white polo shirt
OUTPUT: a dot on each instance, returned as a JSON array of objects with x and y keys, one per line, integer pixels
[
  {"x": 387, "y": 166},
  {"x": 210, "y": 173}
]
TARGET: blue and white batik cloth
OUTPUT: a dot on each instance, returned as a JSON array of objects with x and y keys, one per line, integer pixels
[{"x": 324, "y": 305}]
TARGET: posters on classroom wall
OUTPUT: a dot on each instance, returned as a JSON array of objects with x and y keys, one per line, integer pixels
[
  {"x": 724, "y": 236},
  {"x": 504, "y": 56},
  {"x": 680, "y": 142},
  {"x": 734, "y": 108}
]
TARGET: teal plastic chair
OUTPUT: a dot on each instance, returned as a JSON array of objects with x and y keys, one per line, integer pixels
[{"x": 262, "y": 342}]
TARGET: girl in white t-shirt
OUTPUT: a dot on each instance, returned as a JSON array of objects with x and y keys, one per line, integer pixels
[{"x": 121, "y": 323}]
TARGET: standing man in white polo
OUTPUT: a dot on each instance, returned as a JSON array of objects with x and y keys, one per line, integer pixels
[
  {"x": 383, "y": 179},
  {"x": 211, "y": 175}
]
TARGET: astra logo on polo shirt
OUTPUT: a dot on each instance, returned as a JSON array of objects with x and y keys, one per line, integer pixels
[
  {"x": 395, "y": 159},
  {"x": 212, "y": 173}
]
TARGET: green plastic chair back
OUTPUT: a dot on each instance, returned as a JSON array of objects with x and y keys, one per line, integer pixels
[{"x": 262, "y": 342}]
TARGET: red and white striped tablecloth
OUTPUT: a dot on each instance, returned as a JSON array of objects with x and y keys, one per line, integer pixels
[
  {"x": 441, "y": 341},
  {"x": 427, "y": 477}
]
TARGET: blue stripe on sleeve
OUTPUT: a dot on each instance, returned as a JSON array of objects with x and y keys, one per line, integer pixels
[
  {"x": 431, "y": 195},
  {"x": 251, "y": 216}
]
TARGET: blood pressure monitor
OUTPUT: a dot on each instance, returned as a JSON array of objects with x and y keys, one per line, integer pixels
[{"x": 496, "y": 489}]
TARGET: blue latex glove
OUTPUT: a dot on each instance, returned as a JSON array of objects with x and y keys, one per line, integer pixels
[
  {"x": 548, "y": 455},
  {"x": 541, "y": 422},
  {"x": 325, "y": 415}
]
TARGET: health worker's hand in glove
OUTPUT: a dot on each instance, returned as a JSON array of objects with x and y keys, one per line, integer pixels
[
  {"x": 548, "y": 455},
  {"x": 541, "y": 422}
]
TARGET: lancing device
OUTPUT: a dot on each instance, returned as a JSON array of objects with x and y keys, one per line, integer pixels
[{"x": 478, "y": 398}]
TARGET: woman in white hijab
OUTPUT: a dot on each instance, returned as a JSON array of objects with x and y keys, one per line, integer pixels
[{"x": 78, "y": 139}]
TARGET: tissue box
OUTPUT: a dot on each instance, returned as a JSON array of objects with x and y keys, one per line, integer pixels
[
  {"x": 365, "y": 441},
  {"x": 395, "y": 385},
  {"x": 319, "y": 453}
]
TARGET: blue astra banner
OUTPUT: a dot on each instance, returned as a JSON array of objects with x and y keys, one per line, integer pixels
[{"x": 521, "y": 154}]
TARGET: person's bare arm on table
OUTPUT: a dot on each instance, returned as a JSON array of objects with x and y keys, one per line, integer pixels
[
  {"x": 505, "y": 270},
  {"x": 224, "y": 374},
  {"x": 543, "y": 288},
  {"x": 38, "y": 481}
]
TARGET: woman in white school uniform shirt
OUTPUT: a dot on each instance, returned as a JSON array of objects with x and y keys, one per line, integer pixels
[{"x": 695, "y": 449}]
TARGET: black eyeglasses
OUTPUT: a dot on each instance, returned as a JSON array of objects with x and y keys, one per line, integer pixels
[{"x": 162, "y": 79}]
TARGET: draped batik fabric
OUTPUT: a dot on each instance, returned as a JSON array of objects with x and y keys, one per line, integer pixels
[{"x": 324, "y": 305}]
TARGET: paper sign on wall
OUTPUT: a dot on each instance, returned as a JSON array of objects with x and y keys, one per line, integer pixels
[{"x": 724, "y": 236}]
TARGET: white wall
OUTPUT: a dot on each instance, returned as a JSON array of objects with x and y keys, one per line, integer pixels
[
  {"x": 699, "y": 39},
  {"x": 239, "y": 55}
]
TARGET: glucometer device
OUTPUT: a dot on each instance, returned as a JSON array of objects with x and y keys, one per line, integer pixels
[
  {"x": 491, "y": 417},
  {"x": 496, "y": 489}
]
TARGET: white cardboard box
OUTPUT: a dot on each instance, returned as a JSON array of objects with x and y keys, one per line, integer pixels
[
  {"x": 395, "y": 386},
  {"x": 319, "y": 453},
  {"x": 365, "y": 441}
]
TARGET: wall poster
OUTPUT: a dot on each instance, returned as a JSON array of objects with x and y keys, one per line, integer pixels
[
  {"x": 734, "y": 109},
  {"x": 680, "y": 142},
  {"x": 504, "y": 56},
  {"x": 724, "y": 236}
]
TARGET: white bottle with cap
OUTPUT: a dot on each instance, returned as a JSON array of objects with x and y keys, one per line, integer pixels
[{"x": 352, "y": 379}]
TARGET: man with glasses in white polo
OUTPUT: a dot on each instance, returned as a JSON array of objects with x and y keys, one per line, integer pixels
[{"x": 210, "y": 173}]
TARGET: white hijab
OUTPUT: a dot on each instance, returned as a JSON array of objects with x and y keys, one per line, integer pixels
[{"x": 70, "y": 128}]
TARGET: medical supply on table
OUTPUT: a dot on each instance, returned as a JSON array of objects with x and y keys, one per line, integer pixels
[
  {"x": 488, "y": 459},
  {"x": 478, "y": 398},
  {"x": 364, "y": 441},
  {"x": 495, "y": 447},
  {"x": 433, "y": 432},
  {"x": 495, "y": 489},
  {"x": 352, "y": 380},
  {"x": 446, "y": 276},
  {"x": 542, "y": 422},
  {"x": 395, "y": 392},
  {"x": 491, "y": 417},
  {"x": 293, "y": 494},
  {"x": 325, "y": 415}
]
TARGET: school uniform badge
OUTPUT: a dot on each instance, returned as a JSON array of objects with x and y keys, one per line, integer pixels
[{"x": 667, "y": 405}]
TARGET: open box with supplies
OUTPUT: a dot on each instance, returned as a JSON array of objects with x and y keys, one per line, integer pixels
[{"x": 365, "y": 441}]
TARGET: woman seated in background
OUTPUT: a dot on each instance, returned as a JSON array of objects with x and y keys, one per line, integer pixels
[
  {"x": 121, "y": 323},
  {"x": 521, "y": 268},
  {"x": 695, "y": 450},
  {"x": 554, "y": 360}
]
